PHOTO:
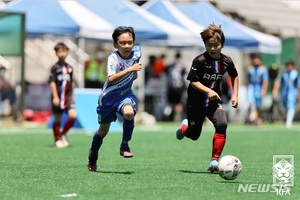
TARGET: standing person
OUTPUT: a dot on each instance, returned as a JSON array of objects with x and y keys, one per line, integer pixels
[
  {"x": 176, "y": 86},
  {"x": 290, "y": 90},
  {"x": 257, "y": 84},
  {"x": 159, "y": 66},
  {"x": 7, "y": 91},
  {"x": 94, "y": 74},
  {"x": 62, "y": 86},
  {"x": 204, "y": 92},
  {"x": 117, "y": 95}
]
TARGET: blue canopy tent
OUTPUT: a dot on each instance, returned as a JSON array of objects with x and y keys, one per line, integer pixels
[
  {"x": 97, "y": 19},
  {"x": 196, "y": 15},
  {"x": 52, "y": 17}
]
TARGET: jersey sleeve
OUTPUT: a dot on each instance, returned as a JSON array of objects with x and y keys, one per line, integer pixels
[
  {"x": 137, "y": 53},
  {"x": 193, "y": 74},
  {"x": 111, "y": 65},
  {"x": 52, "y": 76},
  {"x": 265, "y": 76}
]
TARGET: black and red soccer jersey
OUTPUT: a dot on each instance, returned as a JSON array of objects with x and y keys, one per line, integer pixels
[
  {"x": 62, "y": 75},
  {"x": 209, "y": 72}
]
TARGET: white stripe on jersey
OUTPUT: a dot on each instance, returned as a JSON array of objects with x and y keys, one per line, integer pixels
[{"x": 63, "y": 87}]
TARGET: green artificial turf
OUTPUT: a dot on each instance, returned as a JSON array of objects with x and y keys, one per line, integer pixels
[{"x": 162, "y": 167}]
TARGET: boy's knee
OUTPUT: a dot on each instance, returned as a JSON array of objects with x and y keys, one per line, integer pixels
[
  {"x": 221, "y": 127},
  {"x": 193, "y": 134},
  {"x": 128, "y": 112}
]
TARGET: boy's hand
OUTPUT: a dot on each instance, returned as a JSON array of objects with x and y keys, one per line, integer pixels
[
  {"x": 234, "y": 101},
  {"x": 55, "y": 101},
  {"x": 136, "y": 67},
  {"x": 213, "y": 95}
]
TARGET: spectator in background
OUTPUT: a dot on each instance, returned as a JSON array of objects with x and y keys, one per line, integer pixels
[
  {"x": 257, "y": 83},
  {"x": 62, "y": 87},
  {"x": 7, "y": 91},
  {"x": 149, "y": 68},
  {"x": 159, "y": 66},
  {"x": 95, "y": 70},
  {"x": 290, "y": 90},
  {"x": 175, "y": 87}
]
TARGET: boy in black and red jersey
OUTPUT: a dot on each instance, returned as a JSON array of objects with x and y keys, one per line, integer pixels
[
  {"x": 204, "y": 92},
  {"x": 62, "y": 91}
]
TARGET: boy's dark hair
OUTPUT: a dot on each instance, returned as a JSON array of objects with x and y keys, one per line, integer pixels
[
  {"x": 255, "y": 55},
  {"x": 289, "y": 62},
  {"x": 213, "y": 31},
  {"x": 60, "y": 45},
  {"x": 122, "y": 29}
]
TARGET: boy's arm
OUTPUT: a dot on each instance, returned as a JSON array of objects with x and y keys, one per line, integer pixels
[
  {"x": 235, "y": 92},
  {"x": 275, "y": 88},
  {"x": 55, "y": 98},
  {"x": 264, "y": 88},
  {"x": 116, "y": 77},
  {"x": 202, "y": 88}
]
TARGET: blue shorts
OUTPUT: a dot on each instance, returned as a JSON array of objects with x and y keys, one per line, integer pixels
[
  {"x": 254, "y": 96},
  {"x": 108, "y": 113}
]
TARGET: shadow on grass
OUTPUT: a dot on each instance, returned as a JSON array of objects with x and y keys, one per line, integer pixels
[
  {"x": 195, "y": 172},
  {"x": 116, "y": 172}
]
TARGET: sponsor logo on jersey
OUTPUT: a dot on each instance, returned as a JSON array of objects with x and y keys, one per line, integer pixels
[{"x": 212, "y": 77}]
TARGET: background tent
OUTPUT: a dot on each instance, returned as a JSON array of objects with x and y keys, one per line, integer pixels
[
  {"x": 97, "y": 19},
  {"x": 196, "y": 15},
  {"x": 54, "y": 17}
]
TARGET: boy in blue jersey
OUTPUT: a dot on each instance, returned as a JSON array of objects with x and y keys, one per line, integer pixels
[
  {"x": 204, "y": 93},
  {"x": 117, "y": 95},
  {"x": 290, "y": 90},
  {"x": 257, "y": 84}
]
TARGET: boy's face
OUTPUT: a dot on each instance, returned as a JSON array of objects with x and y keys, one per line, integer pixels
[
  {"x": 62, "y": 54},
  {"x": 256, "y": 62},
  {"x": 213, "y": 48},
  {"x": 124, "y": 44},
  {"x": 289, "y": 67}
]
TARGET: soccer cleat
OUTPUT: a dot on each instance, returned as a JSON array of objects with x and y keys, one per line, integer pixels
[
  {"x": 59, "y": 144},
  {"x": 179, "y": 133},
  {"x": 213, "y": 166},
  {"x": 125, "y": 151},
  {"x": 64, "y": 140},
  {"x": 92, "y": 162}
]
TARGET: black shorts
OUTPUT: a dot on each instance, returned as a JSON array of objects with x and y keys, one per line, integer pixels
[
  {"x": 196, "y": 116},
  {"x": 174, "y": 95},
  {"x": 65, "y": 107}
]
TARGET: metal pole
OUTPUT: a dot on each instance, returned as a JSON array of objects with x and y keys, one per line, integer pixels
[{"x": 22, "y": 53}]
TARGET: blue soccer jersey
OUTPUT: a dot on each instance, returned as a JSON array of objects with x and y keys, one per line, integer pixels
[
  {"x": 114, "y": 95},
  {"x": 256, "y": 76},
  {"x": 289, "y": 82}
]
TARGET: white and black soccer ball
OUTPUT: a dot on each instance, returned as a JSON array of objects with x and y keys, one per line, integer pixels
[{"x": 230, "y": 167}]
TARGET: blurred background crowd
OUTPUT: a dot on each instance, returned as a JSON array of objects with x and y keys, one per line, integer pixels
[{"x": 263, "y": 34}]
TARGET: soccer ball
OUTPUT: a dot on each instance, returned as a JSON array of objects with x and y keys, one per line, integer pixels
[{"x": 230, "y": 167}]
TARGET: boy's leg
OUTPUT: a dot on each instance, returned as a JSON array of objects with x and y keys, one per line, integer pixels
[
  {"x": 68, "y": 125},
  {"x": 56, "y": 131},
  {"x": 290, "y": 117},
  {"x": 95, "y": 146},
  {"x": 220, "y": 123},
  {"x": 128, "y": 111},
  {"x": 192, "y": 127}
]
